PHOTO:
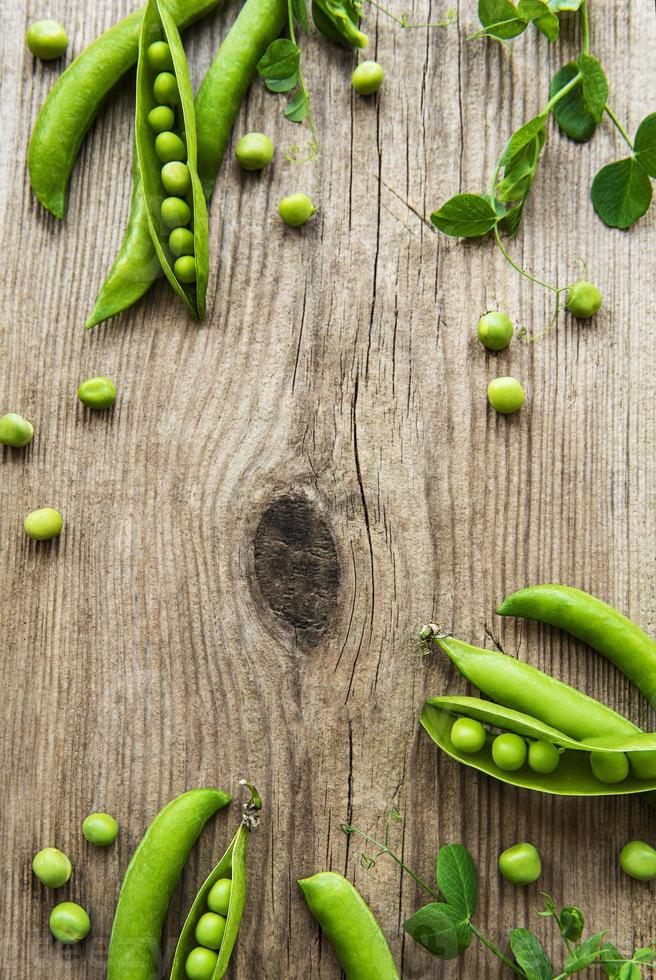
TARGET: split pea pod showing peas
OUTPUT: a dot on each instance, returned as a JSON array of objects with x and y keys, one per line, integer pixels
[{"x": 148, "y": 884}]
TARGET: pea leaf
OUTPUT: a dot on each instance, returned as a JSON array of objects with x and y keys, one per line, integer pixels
[
  {"x": 440, "y": 929},
  {"x": 571, "y": 923},
  {"x": 299, "y": 8},
  {"x": 531, "y": 130},
  {"x": 572, "y": 116},
  {"x": 456, "y": 876},
  {"x": 645, "y": 955},
  {"x": 629, "y": 971},
  {"x": 281, "y": 60},
  {"x": 594, "y": 87},
  {"x": 512, "y": 218},
  {"x": 282, "y": 84},
  {"x": 621, "y": 193},
  {"x": 296, "y": 109},
  {"x": 501, "y": 19},
  {"x": 611, "y": 960},
  {"x": 583, "y": 955},
  {"x": 538, "y": 12},
  {"x": 567, "y": 5},
  {"x": 530, "y": 955},
  {"x": 645, "y": 144},
  {"x": 465, "y": 216}
]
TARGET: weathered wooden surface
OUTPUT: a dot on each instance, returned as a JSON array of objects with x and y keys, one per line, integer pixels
[{"x": 339, "y": 366}]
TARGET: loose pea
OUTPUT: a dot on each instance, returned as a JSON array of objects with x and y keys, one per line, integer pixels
[
  {"x": 509, "y": 751},
  {"x": 159, "y": 56},
  {"x": 185, "y": 269},
  {"x": 181, "y": 241},
  {"x": 46, "y": 39},
  {"x": 495, "y": 330},
  {"x": 176, "y": 178},
  {"x": 43, "y": 524},
  {"x": 100, "y": 829},
  {"x": 367, "y": 77},
  {"x": 643, "y": 764},
  {"x": 296, "y": 209},
  {"x": 161, "y": 118},
  {"x": 609, "y": 767},
  {"x": 520, "y": 864},
  {"x": 218, "y": 899},
  {"x": 506, "y": 395},
  {"x": 200, "y": 964},
  {"x": 15, "y": 431},
  {"x": 98, "y": 393},
  {"x": 468, "y": 735},
  {"x": 169, "y": 146},
  {"x": 165, "y": 88},
  {"x": 583, "y": 299},
  {"x": 543, "y": 757},
  {"x": 52, "y": 867},
  {"x": 638, "y": 860},
  {"x": 175, "y": 212},
  {"x": 69, "y": 923},
  {"x": 210, "y": 929},
  {"x": 254, "y": 151}
]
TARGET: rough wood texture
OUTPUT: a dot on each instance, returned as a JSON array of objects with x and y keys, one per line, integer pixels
[{"x": 141, "y": 655}]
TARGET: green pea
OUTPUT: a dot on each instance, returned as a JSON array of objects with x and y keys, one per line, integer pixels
[
  {"x": 15, "y": 431},
  {"x": 52, "y": 867},
  {"x": 98, "y": 393},
  {"x": 543, "y": 757},
  {"x": 218, "y": 899},
  {"x": 520, "y": 864},
  {"x": 165, "y": 88},
  {"x": 367, "y": 77},
  {"x": 509, "y": 751},
  {"x": 176, "y": 178},
  {"x": 296, "y": 209},
  {"x": 609, "y": 767},
  {"x": 46, "y": 39},
  {"x": 185, "y": 269},
  {"x": 495, "y": 330},
  {"x": 175, "y": 212},
  {"x": 468, "y": 735},
  {"x": 506, "y": 395},
  {"x": 210, "y": 929},
  {"x": 181, "y": 241},
  {"x": 169, "y": 146},
  {"x": 159, "y": 56},
  {"x": 69, "y": 923},
  {"x": 638, "y": 860},
  {"x": 161, "y": 118},
  {"x": 583, "y": 299},
  {"x": 643, "y": 764},
  {"x": 100, "y": 829},
  {"x": 254, "y": 151},
  {"x": 200, "y": 964},
  {"x": 43, "y": 524}
]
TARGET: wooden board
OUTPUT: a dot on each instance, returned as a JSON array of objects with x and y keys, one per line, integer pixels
[{"x": 181, "y": 632}]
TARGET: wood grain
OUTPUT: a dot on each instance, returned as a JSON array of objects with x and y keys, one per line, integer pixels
[{"x": 338, "y": 366}]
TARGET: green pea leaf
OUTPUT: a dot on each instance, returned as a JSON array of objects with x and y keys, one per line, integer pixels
[
  {"x": 621, "y": 193},
  {"x": 512, "y": 219},
  {"x": 300, "y": 13},
  {"x": 564, "y": 5},
  {"x": 530, "y": 955},
  {"x": 296, "y": 109},
  {"x": 594, "y": 87},
  {"x": 465, "y": 216},
  {"x": 538, "y": 12},
  {"x": 282, "y": 84},
  {"x": 645, "y": 144},
  {"x": 280, "y": 60},
  {"x": 572, "y": 116},
  {"x": 583, "y": 955},
  {"x": 501, "y": 19},
  {"x": 629, "y": 971},
  {"x": 456, "y": 876},
  {"x": 525, "y": 135},
  {"x": 440, "y": 929},
  {"x": 571, "y": 923},
  {"x": 645, "y": 955},
  {"x": 611, "y": 960}
]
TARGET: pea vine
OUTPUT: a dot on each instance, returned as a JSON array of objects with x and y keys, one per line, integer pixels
[{"x": 445, "y": 926}]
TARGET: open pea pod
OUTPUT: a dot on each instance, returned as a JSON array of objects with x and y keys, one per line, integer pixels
[
  {"x": 232, "y": 865},
  {"x": 159, "y": 25}
]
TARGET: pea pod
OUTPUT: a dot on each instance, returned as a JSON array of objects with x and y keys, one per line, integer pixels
[
  {"x": 75, "y": 99},
  {"x": 232, "y": 865},
  {"x": 151, "y": 876},
  {"x": 596, "y": 623}
]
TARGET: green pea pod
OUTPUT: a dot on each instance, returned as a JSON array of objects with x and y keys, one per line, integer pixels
[
  {"x": 349, "y": 924},
  {"x": 151, "y": 876},
  {"x": 232, "y": 865},
  {"x": 76, "y": 97},
  {"x": 593, "y": 621}
]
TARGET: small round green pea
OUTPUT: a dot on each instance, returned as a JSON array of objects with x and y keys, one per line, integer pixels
[
  {"x": 46, "y": 39},
  {"x": 509, "y": 751},
  {"x": 543, "y": 757},
  {"x": 169, "y": 146},
  {"x": 367, "y": 77},
  {"x": 43, "y": 524},
  {"x": 495, "y": 330},
  {"x": 200, "y": 963},
  {"x": 609, "y": 767},
  {"x": 176, "y": 178},
  {"x": 643, "y": 764},
  {"x": 218, "y": 899},
  {"x": 468, "y": 735},
  {"x": 520, "y": 864},
  {"x": 100, "y": 829},
  {"x": 296, "y": 209},
  {"x": 98, "y": 393},
  {"x": 210, "y": 929},
  {"x": 69, "y": 923},
  {"x": 15, "y": 431},
  {"x": 506, "y": 395},
  {"x": 181, "y": 241},
  {"x": 52, "y": 867},
  {"x": 161, "y": 118},
  {"x": 159, "y": 56},
  {"x": 254, "y": 151},
  {"x": 583, "y": 299},
  {"x": 165, "y": 88},
  {"x": 175, "y": 212},
  {"x": 184, "y": 269},
  {"x": 638, "y": 860}
]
